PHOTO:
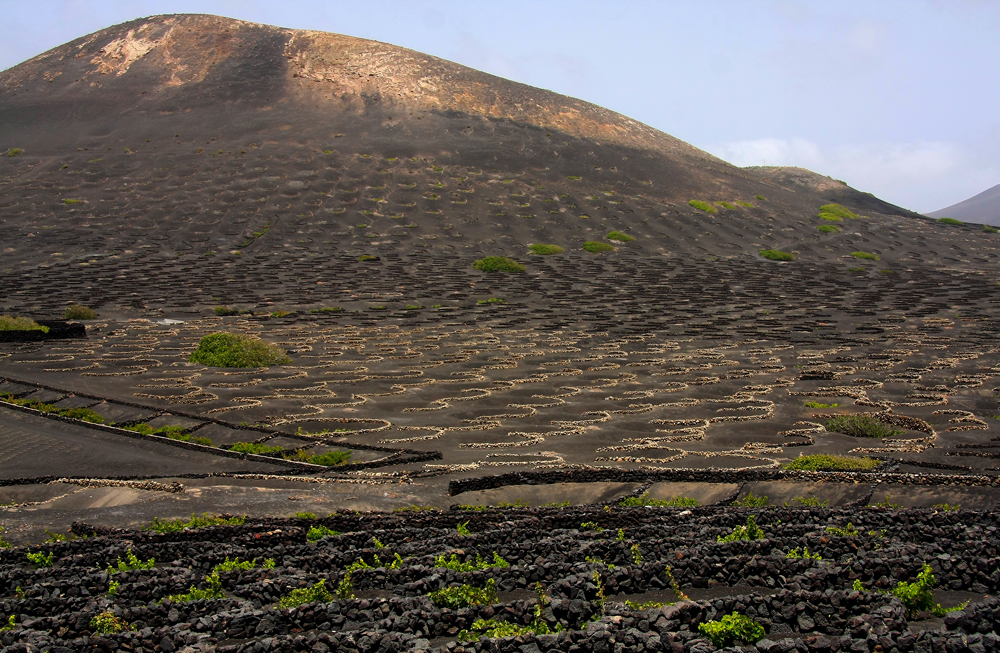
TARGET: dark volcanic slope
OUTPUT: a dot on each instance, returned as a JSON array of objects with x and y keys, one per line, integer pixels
[
  {"x": 984, "y": 207},
  {"x": 198, "y": 134}
]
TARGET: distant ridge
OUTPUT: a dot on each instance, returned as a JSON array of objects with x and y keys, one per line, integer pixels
[{"x": 983, "y": 208}]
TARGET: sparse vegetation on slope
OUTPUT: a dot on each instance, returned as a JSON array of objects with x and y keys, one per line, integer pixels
[
  {"x": 836, "y": 212},
  {"x": 596, "y": 246},
  {"x": 78, "y": 312},
  {"x": 703, "y": 206},
  {"x": 10, "y": 323},
  {"x": 776, "y": 255},
  {"x": 866, "y": 255},
  {"x": 949, "y": 221},
  {"x": 237, "y": 350},
  {"x": 860, "y": 426},
  {"x": 620, "y": 237},
  {"x": 821, "y": 462},
  {"x": 545, "y": 250},
  {"x": 498, "y": 264}
]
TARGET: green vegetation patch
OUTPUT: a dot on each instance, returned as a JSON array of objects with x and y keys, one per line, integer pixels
[
  {"x": 318, "y": 532},
  {"x": 751, "y": 501},
  {"x": 821, "y": 462},
  {"x": 130, "y": 563},
  {"x": 237, "y": 350},
  {"x": 949, "y": 221},
  {"x": 703, "y": 206},
  {"x": 180, "y": 524},
  {"x": 860, "y": 426},
  {"x": 837, "y": 211},
  {"x": 776, "y": 255},
  {"x": 620, "y": 237},
  {"x": 9, "y": 323},
  {"x": 79, "y": 312},
  {"x": 545, "y": 250},
  {"x": 749, "y": 531},
  {"x": 329, "y": 459},
  {"x": 107, "y": 623},
  {"x": 868, "y": 256},
  {"x": 498, "y": 264},
  {"x": 829, "y": 228},
  {"x": 990, "y": 229},
  {"x": 15, "y": 151},
  {"x": 84, "y": 414},
  {"x": 645, "y": 500},
  {"x": 731, "y": 628},
  {"x": 816, "y": 404},
  {"x": 596, "y": 247},
  {"x": 462, "y": 596},
  {"x": 726, "y": 205},
  {"x": 480, "y": 564},
  {"x": 315, "y": 594}
]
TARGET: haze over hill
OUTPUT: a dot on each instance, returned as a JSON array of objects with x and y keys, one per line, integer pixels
[{"x": 983, "y": 208}]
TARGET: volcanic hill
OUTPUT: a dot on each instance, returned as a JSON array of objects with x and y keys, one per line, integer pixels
[{"x": 983, "y": 207}]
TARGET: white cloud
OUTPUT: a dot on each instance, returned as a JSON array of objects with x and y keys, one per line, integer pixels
[{"x": 920, "y": 176}]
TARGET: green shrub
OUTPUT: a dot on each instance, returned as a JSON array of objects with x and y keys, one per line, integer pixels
[
  {"x": 745, "y": 204},
  {"x": 15, "y": 151},
  {"x": 829, "y": 228},
  {"x": 726, "y": 205},
  {"x": 761, "y": 198},
  {"x": 497, "y": 628},
  {"x": 776, "y": 255},
  {"x": 498, "y": 264},
  {"x": 545, "y": 250},
  {"x": 949, "y": 221},
  {"x": 918, "y": 595},
  {"x": 146, "y": 429},
  {"x": 645, "y": 500},
  {"x": 887, "y": 503},
  {"x": 315, "y": 594},
  {"x": 479, "y": 565},
  {"x": 811, "y": 501},
  {"x": 866, "y": 255},
  {"x": 254, "y": 448},
  {"x": 318, "y": 532},
  {"x": 213, "y": 591},
  {"x": 821, "y": 462},
  {"x": 703, "y": 206},
  {"x": 620, "y": 237},
  {"x": 846, "y": 531},
  {"x": 750, "y": 501},
  {"x": 237, "y": 350},
  {"x": 130, "y": 563},
  {"x": 367, "y": 257},
  {"x": 176, "y": 525},
  {"x": 107, "y": 623},
  {"x": 84, "y": 414},
  {"x": 304, "y": 515},
  {"x": 596, "y": 247},
  {"x": 463, "y": 596},
  {"x": 816, "y": 404},
  {"x": 751, "y": 531},
  {"x": 732, "y": 627},
  {"x": 240, "y": 565},
  {"x": 78, "y": 312},
  {"x": 838, "y": 211},
  {"x": 328, "y": 309},
  {"x": 797, "y": 553},
  {"x": 225, "y": 310},
  {"x": 860, "y": 426},
  {"x": 40, "y": 559},
  {"x": 330, "y": 458},
  {"x": 4, "y": 544},
  {"x": 947, "y": 507},
  {"x": 463, "y": 529},
  {"x": 491, "y": 300},
  {"x": 831, "y": 217},
  {"x": 10, "y": 625},
  {"x": 9, "y": 323},
  {"x": 990, "y": 229}
]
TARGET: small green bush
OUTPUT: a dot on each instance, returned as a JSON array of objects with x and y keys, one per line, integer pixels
[
  {"x": 545, "y": 250},
  {"x": 315, "y": 594},
  {"x": 213, "y": 591},
  {"x": 254, "y": 448},
  {"x": 107, "y": 623},
  {"x": 831, "y": 217},
  {"x": 464, "y": 567},
  {"x": 367, "y": 257},
  {"x": 949, "y": 221},
  {"x": 732, "y": 627},
  {"x": 620, "y": 237},
  {"x": 918, "y": 595},
  {"x": 596, "y": 247},
  {"x": 240, "y": 565},
  {"x": 745, "y": 204},
  {"x": 837, "y": 210},
  {"x": 225, "y": 310},
  {"x": 751, "y": 501},
  {"x": 318, "y": 532},
  {"x": 990, "y": 229},
  {"x": 237, "y": 350},
  {"x": 40, "y": 559},
  {"x": 860, "y": 426},
  {"x": 797, "y": 553},
  {"x": 9, "y": 323},
  {"x": 703, "y": 206},
  {"x": 78, "y": 312},
  {"x": 829, "y": 228},
  {"x": 726, "y": 205},
  {"x": 10, "y": 625},
  {"x": 645, "y": 500},
  {"x": 866, "y": 255},
  {"x": 130, "y": 563},
  {"x": 816, "y": 404},
  {"x": 751, "y": 531},
  {"x": 463, "y": 596},
  {"x": 820, "y": 462},
  {"x": 761, "y": 198},
  {"x": 776, "y": 255},
  {"x": 498, "y": 264},
  {"x": 176, "y": 525},
  {"x": 15, "y": 151},
  {"x": 491, "y": 300}
]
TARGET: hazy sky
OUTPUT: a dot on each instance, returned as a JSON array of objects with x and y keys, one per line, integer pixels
[{"x": 899, "y": 98}]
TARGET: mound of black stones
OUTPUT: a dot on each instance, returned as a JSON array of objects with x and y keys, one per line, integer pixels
[{"x": 588, "y": 561}]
